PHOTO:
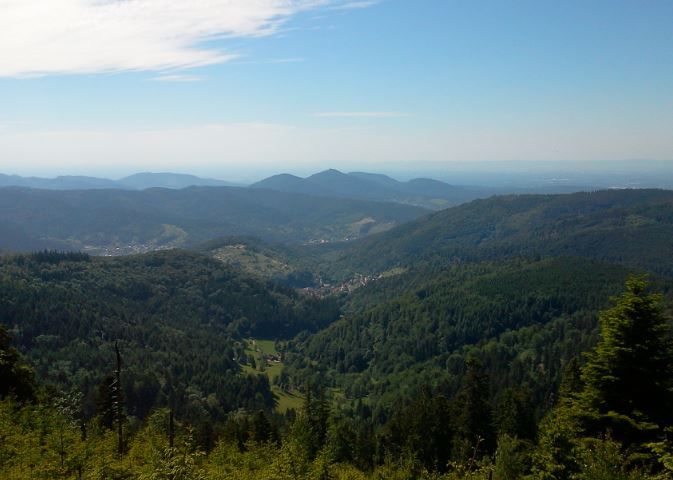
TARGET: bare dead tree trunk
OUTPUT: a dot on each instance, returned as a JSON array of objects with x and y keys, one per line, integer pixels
[
  {"x": 118, "y": 402},
  {"x": 171, "y": 429}
]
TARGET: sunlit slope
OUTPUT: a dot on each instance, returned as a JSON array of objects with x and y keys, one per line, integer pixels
[{"x": 632, "y": 227}]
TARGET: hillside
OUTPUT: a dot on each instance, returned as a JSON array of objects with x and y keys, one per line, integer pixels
[
  {"x": 122, "y": 222},
  {"x": 631, "y": 227},
  {"x": 59, "y": 183},
  {"x": 138, "y": 181},
  {"x": 179, "y": 318},
  {"x": 269, "y": 261},
  {"x": 524, "y": 320},
  {"x": 142, "y": 181},
  {"x": 484, "y": 296}
]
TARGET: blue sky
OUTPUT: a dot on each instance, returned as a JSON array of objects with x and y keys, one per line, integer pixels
[{"x": 229, "y": 90}]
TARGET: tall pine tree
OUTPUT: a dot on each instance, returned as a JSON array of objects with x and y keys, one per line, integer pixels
[
  {"x": 474, "y": 418},
  {"x": 628, "y": 376},
  {"x": 16, "y": 378}
]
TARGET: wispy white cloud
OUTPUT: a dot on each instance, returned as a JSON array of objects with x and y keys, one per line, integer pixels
[
  {"x": 355, "y": 5},
  {"x": 360, "y": 114},
  {"x": 177, "y": 78},
  {"x": 42, "y": 37},
  {"x": 269, "y": 61},
  {"x": 288, "y": 60}
]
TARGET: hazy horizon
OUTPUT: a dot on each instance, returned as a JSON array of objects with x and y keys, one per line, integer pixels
[{"x": 626, "y": 173}]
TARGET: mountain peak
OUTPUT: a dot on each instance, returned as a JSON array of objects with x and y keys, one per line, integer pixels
[{"x": 330, "y": 173}]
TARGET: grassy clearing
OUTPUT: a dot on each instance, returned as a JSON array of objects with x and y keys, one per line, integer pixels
[
  {"x": 394, "y": 272},
  {"x": 287, "y": 401},
  {"x": 266, "y": 346},
  {"x": 251, "y": 261},
  {"x": 257, "y": 349}
]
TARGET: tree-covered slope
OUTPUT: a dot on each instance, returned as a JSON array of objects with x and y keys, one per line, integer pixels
[
  {"x": 633, "y": 227},
  {"x": 523, "y": 319},
  {"x": 178, "y": 318},
  {"x": 119, "y": 221}
]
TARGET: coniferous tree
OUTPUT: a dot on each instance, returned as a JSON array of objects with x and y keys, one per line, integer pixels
[
  {"x": 321, "y": 414},
  {"x": 515, "y": 414},
  {"x": 422, "y": 429},
  {"x": 629, "y": 375},
  {"x": 16, "y": 378},
  {"x": 474, "y": 420},
  {"x": 105, "y": 408},
  {"x": 262, "y": 430}
]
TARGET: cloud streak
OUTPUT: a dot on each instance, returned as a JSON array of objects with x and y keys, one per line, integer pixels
[
  {"x": 355, "y": 5},
  {"x": 43, "y": 37}
]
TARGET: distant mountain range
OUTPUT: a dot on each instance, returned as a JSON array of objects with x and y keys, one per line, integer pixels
[
  {"x": 422, "y": 192},
  {"x": 370, "y": 186},
  {"x": 139, "y": 181}
]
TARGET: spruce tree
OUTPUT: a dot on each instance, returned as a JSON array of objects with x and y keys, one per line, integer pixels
[
  {"x": 16, "y": 378},
  {"x": 262, "y": 431},
  {"x": 627, "y": 378},
  {"x": 474, "y": 417}
]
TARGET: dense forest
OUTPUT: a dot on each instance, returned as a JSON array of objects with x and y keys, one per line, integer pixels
[
  {"x": 513, "y": 341},
  {"x": 610, "y": 419},
  {"x": 631, "y": 227},
  {"x": 523, "y": 320},
  {"x": 178, "y": 317},
  {"x": 122, "y": 221}
]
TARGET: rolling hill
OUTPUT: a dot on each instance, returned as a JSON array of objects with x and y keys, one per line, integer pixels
[
  {"x": 122, "y": 221},
  {"x": 59, "y": 183},
  {"x": 142, "y": 181},
  {"x": 179, "y": 318},
  {"x": 631, "y": 227},
  {"x": 138, "y": 181},
  {"x": 423, "y": 192},
  {"x": 523, "y": 320}
]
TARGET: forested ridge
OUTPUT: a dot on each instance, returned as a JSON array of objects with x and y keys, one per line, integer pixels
[
  {"x": 511, "y": 348},
  {"x": 138, "y": 221},
  {"x": 631, "y": 227},
  {"x": 523, "y": 319},
  {"x": 178, "y": 317}
]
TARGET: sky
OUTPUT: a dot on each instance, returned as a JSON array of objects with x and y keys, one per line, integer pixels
[{"x": 239, "y": 89}]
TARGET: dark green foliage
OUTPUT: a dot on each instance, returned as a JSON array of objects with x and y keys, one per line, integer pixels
[
  {"x": 148, "y": 219},
  {"x": 628, "y": 377},
  {"x": 611, "y": 414},
  {"x": 453, "y": 364},
  {"x": 53, "y": 256},
  {"x": 262, "y": 430},
  {"x": 632, "y": 227},
  {"x": 475, "y": 433},
  {"x": 178, "y": 317},
  {"x": 311, "y": 425},
  {"x": 514, "y": 414},
  {"x": 512, "y": 458},
  {"x": 555, "y": 456},
  {"x": 424, "y": 429},
  {"x": 106, "y": 396},
  {"x": 16, "y": 378},
  {"x": 522, "y": 320}
]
